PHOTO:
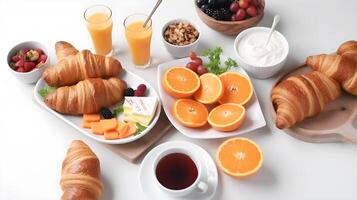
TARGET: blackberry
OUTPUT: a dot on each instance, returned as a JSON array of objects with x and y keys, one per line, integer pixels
[
  {"x": 106, "y": 113},
  {"x": 200, "y": 3},
  {"x": 213, "y": 3},
  {"x": 215, "y": 14},
  {"x": 224, "y": 14},
  {"x": 129, "y": 92},
  {"x": 204, "y": 8}
]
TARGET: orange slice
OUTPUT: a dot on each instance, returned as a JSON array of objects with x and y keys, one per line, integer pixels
[
  {"x": 227, "y": 117},
  {"x": 237, "y": 88},
  {"x": 180, "y": 82},
  {"x": 211, "y": 89},
  {"x": 190, "y": 113},
  {"x": 239, "y": 157}
]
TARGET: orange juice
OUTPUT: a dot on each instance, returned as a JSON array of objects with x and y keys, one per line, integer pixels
[
  {"x": 100, "y": 26},
  {"x": 139, "y": 39}
]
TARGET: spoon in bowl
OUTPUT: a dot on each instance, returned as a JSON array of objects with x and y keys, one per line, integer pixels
[
  {"x": 272, "y": 29},
  {"x": 152, "y": 12}
]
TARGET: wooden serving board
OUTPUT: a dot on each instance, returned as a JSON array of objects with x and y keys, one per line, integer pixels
[{"x": 334, "y": 124}]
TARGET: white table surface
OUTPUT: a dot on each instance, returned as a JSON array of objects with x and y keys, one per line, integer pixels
[{"x": 33, "y": 142}]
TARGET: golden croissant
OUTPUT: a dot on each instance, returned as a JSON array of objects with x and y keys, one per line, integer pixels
[
  {"x": 341, "y": 67},
  {"x": 72, "y": 68},
  {"x": 348, "y": 49},
  {"x": 87, "y": 96},
  {"x": 80, "y": 178},
  {"x": 64, "y": 49},
  {"x": 299, "y": 97}
]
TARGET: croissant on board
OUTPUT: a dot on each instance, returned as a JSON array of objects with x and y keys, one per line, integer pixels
[
  {"x": 64, "y": 49},
  {"x": 87, "y": 96},
  {"x": 348, "y": 49},
  {"x": 72, "y": 68},
  {"x": 342, "y": 67},
  {"x": 299, "y": 97},
  {"x": 80, "y": 178}
]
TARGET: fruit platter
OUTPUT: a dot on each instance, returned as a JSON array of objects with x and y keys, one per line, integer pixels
[
  {"x": 246, "y": 118},
  {"x": 178, "y": 100}
]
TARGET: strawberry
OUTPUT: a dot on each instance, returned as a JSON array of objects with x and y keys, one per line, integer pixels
[
  {"x": 42, "y": 58},
  {"x": 15, "y": 58},
  {"x": 39, "y": 51},
  {"x": 19, "y": 63},
  {"x": 28, "y": 66},
  {"x": 20, "y": 69}
]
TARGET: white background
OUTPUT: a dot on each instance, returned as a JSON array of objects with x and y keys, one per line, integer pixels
[{"x": 33, "y": 142}]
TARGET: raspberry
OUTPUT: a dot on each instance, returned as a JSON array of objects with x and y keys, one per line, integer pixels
[
  {"x": 129, "y": 92},
  {"x": 106, "y": 113},
  {"x": 140, "y": 90}
]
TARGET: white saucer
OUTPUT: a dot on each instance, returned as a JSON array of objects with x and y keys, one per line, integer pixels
[{"x": 209, "y": 173}]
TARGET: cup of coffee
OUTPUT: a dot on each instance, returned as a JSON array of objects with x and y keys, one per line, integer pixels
[{"x": 178, "y": 172}]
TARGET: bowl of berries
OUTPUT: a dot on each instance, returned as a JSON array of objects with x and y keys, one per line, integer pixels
[
  {"x": 230, "y": 16},
  {"x": 27, "y": 61}
]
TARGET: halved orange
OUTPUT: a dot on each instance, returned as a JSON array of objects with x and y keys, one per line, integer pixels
[
  {"x": 237, "y": 88},
  {"x": 180, "y": 82},
  {"x": 227, "y": 117},
  {"x": 239, "y": 157},
  {"x": 190, "y": 113},
  {"x": 211, "y": 89}
]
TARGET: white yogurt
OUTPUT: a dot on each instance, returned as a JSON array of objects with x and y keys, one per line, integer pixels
[{"x": 251, "y": 48}]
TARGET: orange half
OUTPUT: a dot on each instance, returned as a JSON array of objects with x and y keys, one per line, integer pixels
[
  {"x": 180, "y": 82},
  {"x": 227, "y": 117},
  {"x": 211, "y": 89},
  {"x": 239, "y": 157},
  {"x": 190, "y": 113},
  {"x": 237, "y": 88}
]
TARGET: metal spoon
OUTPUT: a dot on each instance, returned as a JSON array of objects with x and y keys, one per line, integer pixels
[
  {"x": 272, "y": 29},
  {"x": 152, "y": 12}
]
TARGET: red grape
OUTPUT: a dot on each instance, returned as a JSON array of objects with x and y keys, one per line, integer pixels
[
  {"x": 240, "y": 15},
  {"x": 252, "y": 11},
  {"x": 254, "y": 2},
  {"x": 197, "y": 61},
  {"x": 243, "y": 4},
  {"x": 201, "y": 70},
  {"x": 233, "y": 17},
  {"x": 193, "y": 55},
  {"x": 234, "y": 7},
  {"x": 192, "y": 66}
]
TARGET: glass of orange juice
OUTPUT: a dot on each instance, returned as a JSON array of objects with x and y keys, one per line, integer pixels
[
  {"x": 100, "y": 25},
  {"x": 139, "y": 39}
]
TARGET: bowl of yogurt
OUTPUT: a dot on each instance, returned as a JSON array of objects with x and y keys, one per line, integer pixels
[{"x": 261, "y": 60}]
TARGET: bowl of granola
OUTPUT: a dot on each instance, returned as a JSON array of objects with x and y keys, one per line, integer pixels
[{"x": 180, "y": 37}]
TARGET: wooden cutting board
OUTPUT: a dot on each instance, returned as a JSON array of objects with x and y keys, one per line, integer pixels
[
  {"x": 134, "y": 150},
  {"x": 334, "y": 124}
]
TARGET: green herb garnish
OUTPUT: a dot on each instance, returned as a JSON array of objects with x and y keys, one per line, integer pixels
[
  {"x": 214, "y": 64},
  {"x": 118, "y": 110},
  {"x": 140, "y": 129},
  {"x": 46, "y": 91}
]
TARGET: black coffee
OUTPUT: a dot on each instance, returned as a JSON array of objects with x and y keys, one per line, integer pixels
[{"x": 176, "y": 171}]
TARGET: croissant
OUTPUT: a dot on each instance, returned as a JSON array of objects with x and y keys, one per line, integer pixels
[
  {"x": 348, "y": 49},
  {"x": 72, "y": 69},
  {"x": 87, "y": 96},
  {"x": 80, "y": 178},
  {"x": 339, "y": 67},
  {"x": 299, "y": 97},
  {"x": 64, "y": 49}
]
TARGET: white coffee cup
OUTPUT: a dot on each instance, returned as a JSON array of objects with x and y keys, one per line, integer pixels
[{"x": 198, "y": 185}]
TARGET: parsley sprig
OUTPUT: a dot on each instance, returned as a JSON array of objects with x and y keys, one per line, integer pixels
[
  {"x": 46, "y": 91},
  {"x": 214, "y": 64}
]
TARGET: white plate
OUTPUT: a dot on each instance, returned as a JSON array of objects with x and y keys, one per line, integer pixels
[
  {"x": 132, "y": 80},
  {"x": 254, "y": 116},
  {"x": 209, "y": 173}
]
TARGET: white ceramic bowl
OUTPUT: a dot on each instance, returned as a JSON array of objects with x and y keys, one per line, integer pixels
[
  {"x": 34, "y": 75},
  {"x": 257, "y": 71},
  {"x": 180, "y": 51}
]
